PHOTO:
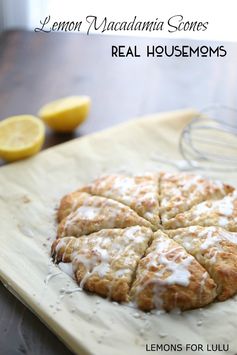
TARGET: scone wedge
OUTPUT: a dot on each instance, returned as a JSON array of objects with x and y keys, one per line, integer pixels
[
  {"x": 141, "y": 193},
  {"x": 105, "y": 262},
  {"x": 220, "y": 213},
  {"x": 168, "y": 278},
  {"x": 93, "y": 213},
  {"x": 216, "y": 250},
  {"x": 181, "y": 191}
]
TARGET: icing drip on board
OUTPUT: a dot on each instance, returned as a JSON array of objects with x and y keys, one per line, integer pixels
[{"x": 67, "y": 268}]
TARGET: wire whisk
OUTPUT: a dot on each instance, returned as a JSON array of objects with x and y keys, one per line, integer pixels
[{"x": 209, "y": 141}]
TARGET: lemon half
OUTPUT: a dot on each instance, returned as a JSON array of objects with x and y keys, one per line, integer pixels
[
  {"x": 66, "y": 114},
  {"x": 21, "y": 137}
]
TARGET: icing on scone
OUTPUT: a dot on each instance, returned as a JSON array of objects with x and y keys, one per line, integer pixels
[
  {"x": 95, "y": 213},
  {"x": 104, "y": 262},
  {"x": 221, "y": 213},
  {"x": 180, "y": 191},
  {"x": 138, "y": 192},
  {"x": 168, "y": 277},
  {"x": 216, "y": 250}
]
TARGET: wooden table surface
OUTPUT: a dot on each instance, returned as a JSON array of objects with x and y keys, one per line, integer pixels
[{"x": 36, "y": 68}]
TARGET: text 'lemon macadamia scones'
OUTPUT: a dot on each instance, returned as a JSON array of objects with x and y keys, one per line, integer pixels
[
  {"x": 216, "y": 250},
  {"x": 222, "y": 213},
  {"x": 168, "y": 277},
  {"x": 181, "y": 191},
  {"x": 157, "y": 240},
  {"x": 105, "y": 262}
]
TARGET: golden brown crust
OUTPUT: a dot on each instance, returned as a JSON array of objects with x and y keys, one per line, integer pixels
[
  {"x": 69, "y": 203},
  {"x": 105, "y": 262},
  {"x": 168, "y": 277},
  {"x": 216, "y": 250}
]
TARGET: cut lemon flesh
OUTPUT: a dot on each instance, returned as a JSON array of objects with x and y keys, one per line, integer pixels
[
  {"x": 66, "y": 114},
  {"x": 21, "y": 137}
]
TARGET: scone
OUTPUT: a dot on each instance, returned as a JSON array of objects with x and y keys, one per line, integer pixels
[
  {"x": 168, "y": 277},
  {"x": 216, "y": 250},
  {"x": 181, "y": 191},
  {"x": 220, "y": 213},
  {"x": 139, "y": 193},
  {"x": 94, "y": 213},
  {"x": 158, "y": 240},
  {"x": 105, "y": 262}
]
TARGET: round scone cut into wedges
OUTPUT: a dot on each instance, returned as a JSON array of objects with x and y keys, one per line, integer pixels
[{"x": 158, "y": 240}]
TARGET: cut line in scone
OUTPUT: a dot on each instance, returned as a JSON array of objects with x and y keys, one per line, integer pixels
[
  {"x": 104, "y": 262},
  {"x": 216, "y": 250},
  {"x": 93, "y": 213},
  {"x": 220, "y": 213},
  {"x": 141, "y": 193},
  {"x": 168, "y": 278},
  {"x": 181, "y": 191}
]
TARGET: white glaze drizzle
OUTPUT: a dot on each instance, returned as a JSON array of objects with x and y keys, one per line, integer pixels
[
  {"x": 177, "y": 268},
  {"x": 136, "y": 192},
  {"x": 66, "y": 268},
  {"x": 98, "y": 258}
]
